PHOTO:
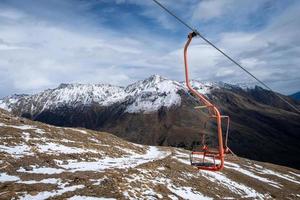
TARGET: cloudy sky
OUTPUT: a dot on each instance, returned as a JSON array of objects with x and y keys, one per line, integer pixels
[{"x": 47, "y": 42}]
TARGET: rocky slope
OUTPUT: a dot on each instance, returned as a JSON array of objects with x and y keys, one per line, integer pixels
[
  {"x": 158, "y": 111},
  {"x": 40, "y": 161}
]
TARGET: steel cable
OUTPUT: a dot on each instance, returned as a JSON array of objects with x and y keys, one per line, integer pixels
[{"x": 224, "y": 54}]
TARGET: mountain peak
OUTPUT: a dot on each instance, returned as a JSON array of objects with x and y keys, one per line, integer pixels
[
  {"x": 156, "y": 78},
  {"x": 145, "y": 95}
]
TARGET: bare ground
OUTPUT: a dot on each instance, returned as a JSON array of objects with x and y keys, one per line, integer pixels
[{"x": 39, "y": 161}]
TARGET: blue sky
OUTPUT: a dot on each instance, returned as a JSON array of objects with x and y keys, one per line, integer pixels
[{"x": 45, "y": 43}]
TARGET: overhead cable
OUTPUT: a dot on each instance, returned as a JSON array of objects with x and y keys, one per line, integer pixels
[{"x": 224, "y": 54}]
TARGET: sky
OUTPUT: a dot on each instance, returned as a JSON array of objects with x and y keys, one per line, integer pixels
[{"x": 47, "y": 42}]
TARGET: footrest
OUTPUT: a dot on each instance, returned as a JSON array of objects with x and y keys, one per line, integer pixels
[
  {"x": 201, "y": 107},
  {"x": 205, "y": 164}
]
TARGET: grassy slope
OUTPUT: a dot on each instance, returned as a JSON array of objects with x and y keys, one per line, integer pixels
[{"x": 41, "y": 161}]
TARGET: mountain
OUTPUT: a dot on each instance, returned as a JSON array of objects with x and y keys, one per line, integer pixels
[
  {"x": 158, "y": 111},
  {"x": 40, "y": 161},
  {"x": 296, "y": 96}
]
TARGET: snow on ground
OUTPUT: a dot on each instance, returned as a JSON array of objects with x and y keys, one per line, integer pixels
[
  {"x": 250, "y": 171},
  {"x": 41, "y": 170},
  {"x": 219, "y": 177},
  {"x": 54, "y": 181},
  {"x": 21, "y": 127},
  {"x": 295, "y": 174},
  {"x": 17, "y": 151},
  {"x": 128, "y": 161},
  {"x": 187, "y": 193},
  {"x": 238, "y": 168},
  {"x": 78, "y": 130},
  {"x": 98, "y": 181},
  {"x": 151, "y": 181},
  {"x": 4, "y": 177},
  {"x": 56, "y": 148},
  {"x": 261, "y": 170},
  {"x": 25, "y": 127},
  {"x": 77, "y": 197},
  {"x": 241, "y": 189},
  {"x": 47, "y": 194},
  {"x": 145, "y": 178},
  {"x": 39, "y": 131}
]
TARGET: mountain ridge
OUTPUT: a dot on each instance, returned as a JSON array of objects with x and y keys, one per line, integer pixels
[
  {"x": 295, "y": 96},
  {"x": 159, "y": 111},
  {"x": 97, "y": 93}
]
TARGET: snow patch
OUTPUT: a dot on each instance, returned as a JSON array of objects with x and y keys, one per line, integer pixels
[
  {"x": 4, "y": 177},
  {"x": 41, "y": 170},
  {"x": 236, "y": 167},
  {"x": 238, "y": 188},
  {"x": 145, "y": 177},
  {"x": 56, "y": 148},
  {"x": 262, "y": 170},
  {"x": 39, "y": 131},
  {"x": 45, "y": 181},
  {"x": 129, "y": 161},
  {"x": 223, "y": 180},
  {"x": 98, "y": 181},
  {"x": 187, "y": 193},
  {"x": 18, "y": 151},
  {"x": 123, "y": 162},
  {"x": 21, "y": 127},
  {"x": 295, "y": 174},
  {"x": 47, "y": 194},
  {"x": 77, "y": 197},
  {"x": 78, "y": 130}
]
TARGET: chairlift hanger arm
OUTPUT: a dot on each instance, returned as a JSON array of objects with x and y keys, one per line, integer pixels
[{"x": 213, "y": 111}]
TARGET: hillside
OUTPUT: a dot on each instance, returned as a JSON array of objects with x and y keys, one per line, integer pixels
[
  {"x": 296, "y": 96},
  {"x": 41, "y": 161},
  {"x": 159, "y": 111}
]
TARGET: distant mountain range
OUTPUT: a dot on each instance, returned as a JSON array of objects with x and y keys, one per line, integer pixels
[
  {"x": 296, "y": 96},
  {"x": 159, "y": 111}
]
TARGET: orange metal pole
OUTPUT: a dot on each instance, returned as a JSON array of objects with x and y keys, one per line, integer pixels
[{"x": 209, "y": 105}]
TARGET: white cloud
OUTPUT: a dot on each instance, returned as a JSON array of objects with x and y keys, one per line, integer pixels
[
  {"x": 270, "y": 54},
  {"x": 41, "y": 50},
  {"x": 37, "y": 54},
  {"x": 11, "y": 14},
  {"x": 209, "y": 9}
]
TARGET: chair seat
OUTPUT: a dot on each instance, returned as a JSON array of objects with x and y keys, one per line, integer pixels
[{"x": 203, "y": 164}]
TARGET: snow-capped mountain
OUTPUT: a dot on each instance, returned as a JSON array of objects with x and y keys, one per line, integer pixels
[
  {"x": 159, "y": 111},
  {"x": 152, "y": 94},
  {"x": 39, "y": 161},
  {"x": 70, "y": 95},
  {"x": 143, "y": 96}
]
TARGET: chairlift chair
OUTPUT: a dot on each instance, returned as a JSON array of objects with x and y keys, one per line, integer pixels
[{"x": 207, "y": 158}]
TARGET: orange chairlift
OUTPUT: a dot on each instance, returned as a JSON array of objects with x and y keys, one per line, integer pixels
[{"x": 207, "y": 158}]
